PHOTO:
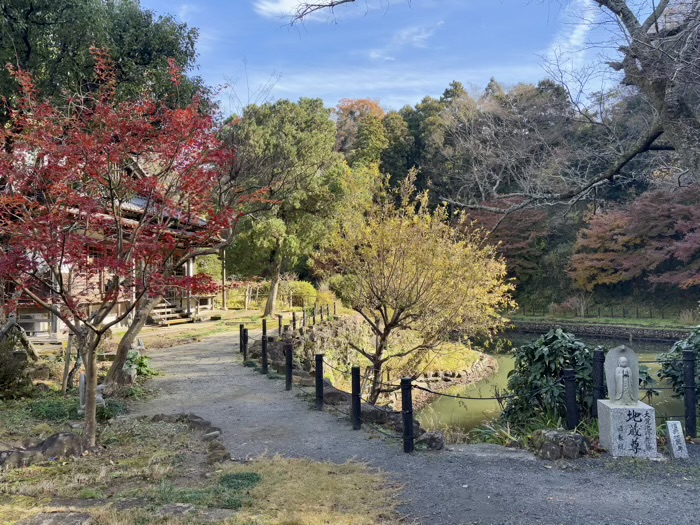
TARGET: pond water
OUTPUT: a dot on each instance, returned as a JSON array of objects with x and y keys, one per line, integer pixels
[{"x": 466, "y": 415}]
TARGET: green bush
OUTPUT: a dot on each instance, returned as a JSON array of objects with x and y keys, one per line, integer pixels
[
  {"x": 13, "y": 371},
  {"x": 55, "y": 408},
  {"x": 536, "y": 382},
  {"x": 302, "y": 293},
  {"x": 672, "y": 363},
  {"x": 111, "y": 409},
  {"x": 141, "y": 363}
]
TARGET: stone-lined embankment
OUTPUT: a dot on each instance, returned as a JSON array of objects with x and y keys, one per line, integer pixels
[{"x": 631, "y": 333}]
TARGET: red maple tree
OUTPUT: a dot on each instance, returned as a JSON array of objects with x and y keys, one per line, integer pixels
[
  {"x": 101, "y": 201},
  {"x": 656, "y": 239}
]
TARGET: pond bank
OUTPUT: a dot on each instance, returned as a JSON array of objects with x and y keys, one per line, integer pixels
[
  {"x": 486, "y": 367},
  {"x": 630, "y": 333}
]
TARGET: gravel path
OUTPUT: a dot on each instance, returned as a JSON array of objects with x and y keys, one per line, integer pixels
[{"x": 470, "y": 484}]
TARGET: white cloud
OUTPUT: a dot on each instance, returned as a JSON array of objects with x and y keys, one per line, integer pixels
[
  {"x": 275, "y": 8},
  {"x": 409, "y": 37},
  {"x": 569, "y": 45},
  {"x": 185, "y": 10},
  {"x": 288, "y": 8}
]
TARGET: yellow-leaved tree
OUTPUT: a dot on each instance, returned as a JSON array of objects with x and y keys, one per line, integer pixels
[{"x": 405, "y": 267}]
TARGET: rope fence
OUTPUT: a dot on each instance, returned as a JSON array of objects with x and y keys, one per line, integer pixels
[{"x": 407, "y": 385}]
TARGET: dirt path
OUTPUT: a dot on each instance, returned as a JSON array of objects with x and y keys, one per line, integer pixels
[{"x": 475, "y": 484}]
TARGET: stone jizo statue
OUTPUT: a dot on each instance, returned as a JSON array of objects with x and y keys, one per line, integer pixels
[
  {"x": 623, "y": 391},
  {"x": 622, "y": 376}
]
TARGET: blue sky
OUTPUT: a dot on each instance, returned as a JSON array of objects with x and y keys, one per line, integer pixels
[{"x": 396, "y": 51}]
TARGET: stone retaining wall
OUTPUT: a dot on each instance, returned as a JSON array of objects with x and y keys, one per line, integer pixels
[{"x": 631, "y": 333}]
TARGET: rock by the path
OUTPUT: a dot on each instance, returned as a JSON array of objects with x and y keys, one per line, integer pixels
[
  {"x": 333, "y": 396},
  {"x": 10, "y": 459},
  {"x": 211, "y": 435},
  {"x": 199, "y": 424},
  {"x": 175, "y": 510},
  {"x": 164, "y": 418},
  {"x": 557, "y": 444},
  {"x": 62, "y": 445},
  {"x": 59, "y": 518},
  {"x": 431, "y": 441}
]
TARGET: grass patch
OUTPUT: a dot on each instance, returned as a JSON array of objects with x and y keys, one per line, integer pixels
[
  {"x": 297, "y": 491},
  {"x": 230, "y": 492}
]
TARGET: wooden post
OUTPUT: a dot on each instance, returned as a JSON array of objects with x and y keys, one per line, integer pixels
[
  {"x": 690, "y": 392},
  {"x": 407, "y": 414},
  {"x": 598, "y": 379},
  {"x": 571, "y": 406},
  {"x": 288, "y": 355},
  {"x": 319, "y": 381},
  {"x": 263, "y": 356},
  {"x": 356, "y": 405}
]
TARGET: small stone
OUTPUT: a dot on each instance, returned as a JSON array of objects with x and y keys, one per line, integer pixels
[
  {"x": 199, "y": 424},
  {"x": 62, "y": 445},
  {"x": 59, "y": 518},
  {"x": 175, "y": 510},
  {"x": 550, "y": 451},
  {"x": 431, "y": 441},
  {"x": 211, "y": 435},
  {"x": 158, "y": 418}
]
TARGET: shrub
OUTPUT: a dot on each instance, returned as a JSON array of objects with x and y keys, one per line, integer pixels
[
  {"x": 302, "y": 293},
  {"x": 55, "y": 408},
  {"x": 535, "y": 379},
  {"x": 111, "y": 409},
  {"x": 141, "y": 363},
  {"x": 13, "y": 370},
  {"x": 672, "y": 363}
]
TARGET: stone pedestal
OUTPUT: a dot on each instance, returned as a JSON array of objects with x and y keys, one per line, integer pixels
[{"x": 627, "y": 430}]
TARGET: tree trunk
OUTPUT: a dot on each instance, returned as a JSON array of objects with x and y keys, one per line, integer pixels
[
  {"x": 90, "y": 437},
  {"x": 377, "y": 365},
  {"x": 115, "y": 375},
  {"x": 248, "y": 291},
  {"x": 271, "y": 305},
  {"x": 376, "y": 382},
  {"x": 66, "y": 366}
]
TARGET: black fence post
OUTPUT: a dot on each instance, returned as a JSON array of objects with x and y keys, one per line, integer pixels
[
  {"x": 356, "y": 406},
  {"x": 314, "y": 315},
  {"x": 288, "y": 354},
  {"x": 321, "y": 313},
  {"x": 598, "y": 379},
  {"x": 570, "y": 390},
  {"x": 407, "y": 413},
  {"x": 328, "y": 312},
  {"x": 690, "y": 392},
  {"x": 599, "y": 312},
  {"x": 319, "y": 381},
  {"x": 264, "y": 347},
  {"x": 245, "y": 345},
  {"x": 279, "y": 325},
  {"x": 294, "y": 321},
  {"x": 335, "y": 309},
  {"x": 241, "y": 327}
]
